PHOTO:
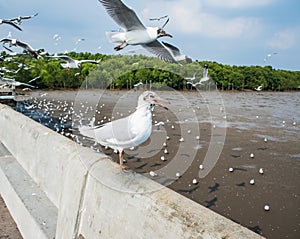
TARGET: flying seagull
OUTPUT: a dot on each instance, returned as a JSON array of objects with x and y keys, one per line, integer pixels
[
  {"x": 9, "y": 81},
  {"x": 16, "y": 21},
  {"x": 194, "y": 84},
  {"x": 191, "y": 78},
  {"x": 71, "y": 63},
  {"x": 259, "y": 88},
  {"x": 158, "y": 18},
  {"x": 175, "y": 52},
  {"x": 25, "y": 46},
  {"x": 127, "y": 132},
  {"x": 3, "y": 21},
  {"x": 205, "y": 76},
  {"x": 20, "y": 19},
  {"x": 135, "y": 33}
]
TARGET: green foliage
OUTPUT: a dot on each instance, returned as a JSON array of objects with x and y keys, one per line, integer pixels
[{"x": 117, "y": 72}]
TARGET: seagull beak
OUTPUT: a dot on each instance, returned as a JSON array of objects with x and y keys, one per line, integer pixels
[
  {"x": 168, "y": 35},
  {"x": 157, "y": 101}
]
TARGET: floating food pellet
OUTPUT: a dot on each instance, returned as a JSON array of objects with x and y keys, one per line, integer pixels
[
  {"x": 195, "y": 181},
  {"x": 163, "y": 158},
  {"x": 261, "y": 170},
  {"x": 266, "y": 207},
  {"x": 252, "y": 181},
  {"x": 153, "y": 174},
  {"x": 230, "y": 170}
]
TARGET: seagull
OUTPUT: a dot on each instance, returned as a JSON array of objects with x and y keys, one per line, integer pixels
[
  {"x": 191, "y": 78},
  {"x": 194, "y": 84},
  {"x": 137, "y": 85},
  {"x": 71, "y": 63},
  {"x": 259, "y": 88},
  {"x": 15, "y": 42},
  {"x": 175, "y": 52},
  {"x": 158, "y": 18},
  {"x": 18, "y": 20},
  {"x": 205, "y": 76},
  {"x": 9, "y": 81},
  {"x": 127, "y": 132},
  {"x": 135, "y": 33},
  {"x": 269, "y": 55},
  {"x": 9, "y": 22}
]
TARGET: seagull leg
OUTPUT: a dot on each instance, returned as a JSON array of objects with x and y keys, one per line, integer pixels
[
  {"x": 121, "y": 46},
  {"x": 121, "y": 154}
]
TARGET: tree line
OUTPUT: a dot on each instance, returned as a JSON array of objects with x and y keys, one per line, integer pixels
[{"x": 124, "y": 71}]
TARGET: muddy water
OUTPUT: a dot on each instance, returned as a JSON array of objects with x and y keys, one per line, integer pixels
[{"x": 218, "y": 131}]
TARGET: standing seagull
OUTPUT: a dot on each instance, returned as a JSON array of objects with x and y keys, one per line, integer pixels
[
  {"x": 127, "y": 132},
  {"x": 71, "y": 63},
  {"x": 135, "y": 33},
  {"x": 175, "y": 52}
]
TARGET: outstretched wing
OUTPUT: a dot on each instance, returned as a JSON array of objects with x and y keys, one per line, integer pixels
[
  {"x": 63, "y": 58},
  {"x": 12, "y": 24},
  {"x": 173, "y": 49},
  {"x": 28, "y": 48},
  {"x": 123, "y": 15},
  {"x": 160, "y": 51}
]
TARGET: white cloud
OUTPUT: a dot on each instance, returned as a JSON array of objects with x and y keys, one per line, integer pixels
[
  {"x": 283, "y": 40},
  {"x": 189, "y": 17},
  {"x": 237, "y": 3}
]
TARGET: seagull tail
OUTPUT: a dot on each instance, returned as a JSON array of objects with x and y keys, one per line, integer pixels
[{"x": 114, "y": 37}]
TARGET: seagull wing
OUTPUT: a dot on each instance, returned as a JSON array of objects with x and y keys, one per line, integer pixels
[
  {"x": 173, "y": 49},
  {"x": 115, "y": 134},
  {"x": 123, "y": 15},
  {"x": 21, "y": 83},
  {"x": 12, "y": 24},
  {"x": 28, "y": 48},
  {"x": 34, "y": 79},
  {"x": 64, "y": 58},
  {"x": 89, "y": 61},
  {"x": 28, "y": 17},
  {"x": 160, "y": 51}
]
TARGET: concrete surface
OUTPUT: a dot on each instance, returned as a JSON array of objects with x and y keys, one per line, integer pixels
[{"x": 53, "y": 186}]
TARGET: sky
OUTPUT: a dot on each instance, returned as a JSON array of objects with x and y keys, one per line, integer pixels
[{"x": 232, "y": 32}]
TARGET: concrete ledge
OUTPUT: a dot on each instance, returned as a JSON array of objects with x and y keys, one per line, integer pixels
[
  {"x": 28, "y": 204},
  {"x": 83, "y": 194}
]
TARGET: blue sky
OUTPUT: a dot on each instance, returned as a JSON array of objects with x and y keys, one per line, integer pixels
[{"x": 233, "y": 32}]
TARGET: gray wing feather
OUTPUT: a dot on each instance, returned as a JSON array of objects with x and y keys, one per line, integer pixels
[
  {"x": 173, "y": 49},
  {"x": 123, "y": 15},
  {"x": 160, "y": 51}
]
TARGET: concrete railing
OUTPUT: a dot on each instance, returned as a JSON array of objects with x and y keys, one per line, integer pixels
[{"x": 55, "y": 188}]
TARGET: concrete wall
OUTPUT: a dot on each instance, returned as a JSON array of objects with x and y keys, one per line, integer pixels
[{"x": 56, "y": 188}]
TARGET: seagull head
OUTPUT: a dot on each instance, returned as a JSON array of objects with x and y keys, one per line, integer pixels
[
  {"x": 162, "y": 33},
  {"x": 150, "y": 98}
]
